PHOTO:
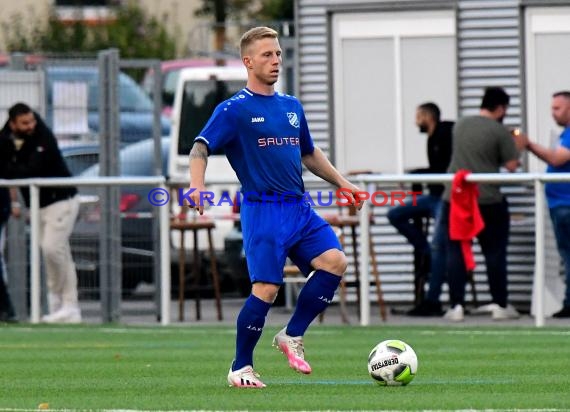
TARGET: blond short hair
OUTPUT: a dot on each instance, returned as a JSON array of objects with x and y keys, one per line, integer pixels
[{"x": 252, "y": 35}]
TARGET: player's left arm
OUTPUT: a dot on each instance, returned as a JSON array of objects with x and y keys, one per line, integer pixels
[{"x": 320, "y": 165}]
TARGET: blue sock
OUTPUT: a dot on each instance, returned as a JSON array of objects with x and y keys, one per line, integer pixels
[
  {"x": 250, "y": 323},
  {"x": 314, "y": 298}
]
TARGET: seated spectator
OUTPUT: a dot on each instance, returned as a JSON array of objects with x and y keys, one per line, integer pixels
[{"x": 404, "y": 217}]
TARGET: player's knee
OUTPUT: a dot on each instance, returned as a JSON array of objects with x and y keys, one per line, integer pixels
[
  {"x": 340, "y": 263},
  {"x": 267, "y": 292},
  {"x": 333, "y": 261}
]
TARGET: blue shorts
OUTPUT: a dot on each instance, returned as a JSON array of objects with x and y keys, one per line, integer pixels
[{"x": 273, "y": 231}]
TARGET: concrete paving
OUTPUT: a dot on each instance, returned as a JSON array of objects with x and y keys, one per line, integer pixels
[{"x": 143, "y": 312}]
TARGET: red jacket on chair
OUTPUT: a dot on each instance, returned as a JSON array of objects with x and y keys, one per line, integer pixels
[{"x": 465, "y": 221}]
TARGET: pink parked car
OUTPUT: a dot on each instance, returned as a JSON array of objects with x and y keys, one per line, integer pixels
[{"x": 170, "y": 72}]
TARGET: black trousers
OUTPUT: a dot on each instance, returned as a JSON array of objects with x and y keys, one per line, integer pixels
[
  {"x": 493, "y": 239},
  {"x": 6, "y": 308}
]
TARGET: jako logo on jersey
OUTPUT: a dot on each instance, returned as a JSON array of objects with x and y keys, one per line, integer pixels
[
  {"x": 257, "y": 119},
  {"x": 293, "y": 119}
]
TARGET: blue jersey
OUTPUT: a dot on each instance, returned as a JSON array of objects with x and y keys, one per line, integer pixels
[
  {"x": 264, "y": 138},
  {"x": 558, "y": 194}
]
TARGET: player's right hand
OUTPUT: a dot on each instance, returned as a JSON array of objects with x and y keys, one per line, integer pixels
[{"x": 195, "y": 196}]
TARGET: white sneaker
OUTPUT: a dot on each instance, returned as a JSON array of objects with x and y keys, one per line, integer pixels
[
  {"x": 245, "y": 377},
  {"x": 293, "y": 349},
  {"x": 487, "y": 309},
  {"x": 454, "y": 314},
  {"x": 509, "y": 312},
  {"x": 67, "y": 314}
]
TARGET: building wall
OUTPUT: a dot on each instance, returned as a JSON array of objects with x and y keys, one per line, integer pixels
[
  {"x": 489, "y": 52},
  {"x": 30, "y": 10},
  {"x": 191, "y": 32}
]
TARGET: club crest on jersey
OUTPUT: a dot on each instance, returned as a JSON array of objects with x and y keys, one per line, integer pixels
[{"x": 293, "y": 119}]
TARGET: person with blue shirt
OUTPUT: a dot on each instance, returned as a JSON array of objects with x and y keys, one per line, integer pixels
[
  {"x": 266, "y": 139},
  {"x": 404, "y": 217},
  {"x": 558, "y": 194}
]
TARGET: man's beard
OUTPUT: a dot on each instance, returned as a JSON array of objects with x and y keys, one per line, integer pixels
[
  {"x": 423, "y": 128},
  {"x": 560, "y": 122},
  {"x": 22, "y": 134}
]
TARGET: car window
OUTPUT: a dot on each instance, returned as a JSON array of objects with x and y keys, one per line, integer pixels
[
  {"x": 137, "y": 159},
  {"x": 132, "y": 97},
  {"x": 79, "y": 162},
  {"x": 169, "y": 87},
  {"x": 79, "y": 156},
  {"x": 88, "y": 78},
  {"x": 199, "y": 100},
  {"x": 148, "y": 81}
]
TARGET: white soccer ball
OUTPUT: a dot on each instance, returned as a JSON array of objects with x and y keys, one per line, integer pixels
[{"x": 393, "y": 363}]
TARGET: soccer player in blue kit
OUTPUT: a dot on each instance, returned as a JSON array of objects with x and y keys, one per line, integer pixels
[{"x": 266, "y": 140}]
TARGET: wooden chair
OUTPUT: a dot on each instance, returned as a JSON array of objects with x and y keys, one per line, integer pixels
[
  {"x": 351, "y": 221},
  {"x": 183, "y": 224}
]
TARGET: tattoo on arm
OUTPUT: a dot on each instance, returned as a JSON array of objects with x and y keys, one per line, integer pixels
[{"x": 199, "y": 151}]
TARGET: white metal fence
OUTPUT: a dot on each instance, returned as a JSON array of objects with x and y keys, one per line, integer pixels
[
  {"x": 537, "y": 179},
  {"x": 164, "y": 224},
  {"x": 363, "y": 180}
]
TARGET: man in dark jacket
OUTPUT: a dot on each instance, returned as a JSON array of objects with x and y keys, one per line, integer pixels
[
  {"x": 29, "y": 149},
  {"x": 403, "y": 217}
]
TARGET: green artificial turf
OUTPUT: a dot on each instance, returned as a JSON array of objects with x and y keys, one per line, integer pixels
[{"x": 184, "y": 368}]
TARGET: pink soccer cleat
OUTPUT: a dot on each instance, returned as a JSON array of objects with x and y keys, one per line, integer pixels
[{"x": 293, "y": 349}]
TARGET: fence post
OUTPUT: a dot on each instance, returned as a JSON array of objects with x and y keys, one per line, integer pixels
[
  {"x": 164, "y": 213},
  {"x": 35, "y": 254},
  {"x": 364, "y": 262},
  {"x": 157, "y": 214},
  {"x": 539, "y": 261},
  {"x": 110, "y": 237}
]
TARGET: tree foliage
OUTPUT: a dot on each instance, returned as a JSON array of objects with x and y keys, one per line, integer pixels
[
  {"x": 132, "y": 31},
  {"x": 275, "y": 10},
  {"x": 232, "y": 9},
  {"x": 239, "y": 10}
]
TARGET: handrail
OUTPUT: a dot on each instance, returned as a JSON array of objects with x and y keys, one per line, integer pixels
[
  {"x": 36, "y": 183},
  {"x": 537, "y": 179}
]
